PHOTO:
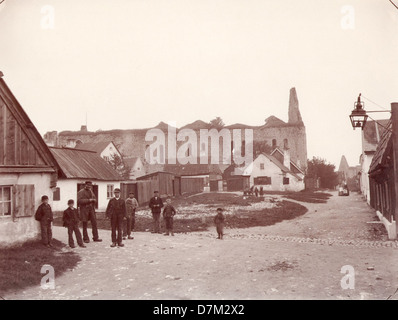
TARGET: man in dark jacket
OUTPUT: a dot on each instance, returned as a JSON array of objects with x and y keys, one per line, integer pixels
[
  {"x": 156, "y": 205},
  {"x": 71, "y": 221},
  {"x": 44, "y": 214},
  {"x": 86, "y": 202},
  {"x": 116, "y": 211}
]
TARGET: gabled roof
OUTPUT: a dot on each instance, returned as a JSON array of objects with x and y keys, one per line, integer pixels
[
  {"x": 380, "y": 158},
  {"x": 23, "y": 149},
  {"x": 372, "y": 133},
  {"x": 96, "y": 146},
  {"x": 283, "y": 168},
  {"x": 130, "y": 162},
  {"x": 81, "y": 164},
  {"x": 193, "y": 169},
  {"x": 292, "y": 163}
]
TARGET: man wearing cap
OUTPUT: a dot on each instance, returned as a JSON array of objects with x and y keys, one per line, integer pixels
[
  {"x": 116, "y": 211},
  {"x": 44, "y": 214},
  {"x": 156, "y": 205},
  {"x": 86, "y": 202}
]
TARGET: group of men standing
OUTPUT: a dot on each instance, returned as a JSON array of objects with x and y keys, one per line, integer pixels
[{"x": 121, "y": 214}]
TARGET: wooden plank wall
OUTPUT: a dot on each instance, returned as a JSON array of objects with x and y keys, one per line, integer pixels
[
  {"x": 192, "y": 185},
  {"x": 15, "y": 147}
]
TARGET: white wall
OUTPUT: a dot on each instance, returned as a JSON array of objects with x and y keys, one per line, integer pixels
[
  {"x": 109, "y": 151},
  {"x": 365, "y": 165},
  {"x": 68, "y": 190},
  {"x": 134, "y": 172},
  {"x": 276, "y": 174},
  {"x": 24, "y": 228}
]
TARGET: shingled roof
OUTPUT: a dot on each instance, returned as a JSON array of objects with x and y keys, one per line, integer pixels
[
  {"x": 372, "y": 134},
  {"x": 81, "y": 164},
  {"x": 380, "y": 159}
]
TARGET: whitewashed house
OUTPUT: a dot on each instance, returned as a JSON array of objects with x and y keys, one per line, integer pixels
[
  {"x": 105, "y": 149},
  {"x": 76, "y": 167},
  {"x": 28, "y": 171},
  {"x": 137, "y": 168},
  {"x": 275, "y": 172}
]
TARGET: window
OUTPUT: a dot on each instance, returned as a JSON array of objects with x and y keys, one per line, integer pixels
[
  {"x": 262, "y": 180},
  {"x": 273, "y": 143},
  {"x": 261, "y": 166},
  {"x": 109, "y": 190},
  {"x": 57, "y": 194},
  {"x": 5, "y": 200},
  {"x": 285, "y": 180},
  {"x": 285, "y": 144},
  {"x": 138, "y": 168}
]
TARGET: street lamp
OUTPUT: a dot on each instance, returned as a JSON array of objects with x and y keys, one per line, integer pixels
[{"x": 358, "y": 116}]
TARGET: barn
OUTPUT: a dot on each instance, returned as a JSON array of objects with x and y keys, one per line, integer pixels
[{"x": 28, "y": 170}]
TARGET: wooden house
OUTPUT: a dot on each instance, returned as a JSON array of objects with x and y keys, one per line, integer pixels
[
  {"x": 381, "y": 182},
  {"x": 77, "y": 166},
  {"x": 28, "y": 171}
]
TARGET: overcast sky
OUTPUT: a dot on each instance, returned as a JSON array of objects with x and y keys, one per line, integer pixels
[{"x": 134, "y": 63}]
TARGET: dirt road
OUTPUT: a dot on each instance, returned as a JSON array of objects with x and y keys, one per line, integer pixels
[{"x": 296, "y": 259}]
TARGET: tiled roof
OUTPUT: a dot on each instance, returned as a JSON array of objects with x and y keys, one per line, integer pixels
[{"x": 80, "y": 164}]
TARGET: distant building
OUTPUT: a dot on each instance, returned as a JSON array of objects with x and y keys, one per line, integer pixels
[
  {"x": 106, "y": 149},
  {"x": 28, "y": 171},
  {"x": 132, "y": 144},
  {"x": 371, "y": 136},
  {"x": 271, "y": 174},
  {"x": 76, "y": 167},
  {"x": 349, "y": 175},
  {"x": 137, "y": 167}
]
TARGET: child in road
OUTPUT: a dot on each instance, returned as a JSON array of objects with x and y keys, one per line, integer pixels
[
  {"x": 219, "y": 221},
  {"x": 168, "y": 214},
  {"x": 71, "y": 221}
]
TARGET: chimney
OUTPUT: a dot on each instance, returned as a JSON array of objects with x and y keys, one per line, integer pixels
[
  {"x": 294, "y": 112},
  {"x": 83, "y": 128},
  {"x": 286, "y": 158}
]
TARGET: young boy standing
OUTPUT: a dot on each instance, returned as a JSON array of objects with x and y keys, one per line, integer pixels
[
  {"x": 219, "y": 221},
  {"x": 71, "y": 221},
  {"x": 131, "y": 206},
  {"x": 44, "y": 214},
  {"x": 168, "y": 214}
]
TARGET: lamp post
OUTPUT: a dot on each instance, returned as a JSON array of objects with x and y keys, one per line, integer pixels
[{"x": 358, "y": 119}]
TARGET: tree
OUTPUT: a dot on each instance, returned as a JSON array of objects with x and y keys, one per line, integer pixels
[
  {"x": 217, "y": 123},
  {"x": 261, "y": 147},
  {"x": 117, "y": 163},
  {"x": 319, "y": 168}
]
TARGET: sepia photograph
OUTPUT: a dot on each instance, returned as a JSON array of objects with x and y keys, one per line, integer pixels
[{"x": 198, "y": 155}]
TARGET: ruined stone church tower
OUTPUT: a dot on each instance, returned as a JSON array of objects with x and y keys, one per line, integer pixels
[{"x": 287, "y": 136}]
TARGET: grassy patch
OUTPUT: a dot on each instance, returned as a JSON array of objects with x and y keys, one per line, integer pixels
[
  {"x": 20, "y": 266},
  {"x": 284, "y": 210}
]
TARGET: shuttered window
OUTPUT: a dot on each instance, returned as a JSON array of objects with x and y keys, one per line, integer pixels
[
  {"x": 5, "y": 200},
  {"x": 109, "y": 190},
  {"x": 23, "y": 200}
]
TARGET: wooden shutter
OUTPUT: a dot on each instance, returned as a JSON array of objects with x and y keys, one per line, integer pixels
[{"x": 23, "y": 200}]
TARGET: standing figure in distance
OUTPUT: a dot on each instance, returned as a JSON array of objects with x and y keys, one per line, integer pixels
[
  {"x": 156, "y": 205},
  {"x": 168, "y": 214},
  {"x": 71, "y": 221},
  {"x": 116, "y": 211},
  {"x": 219, "y": 221},
  {"x": 44, "y": 214},
  {"x": 131, "y": 206},
  {"x": 86, "y": 202}
]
